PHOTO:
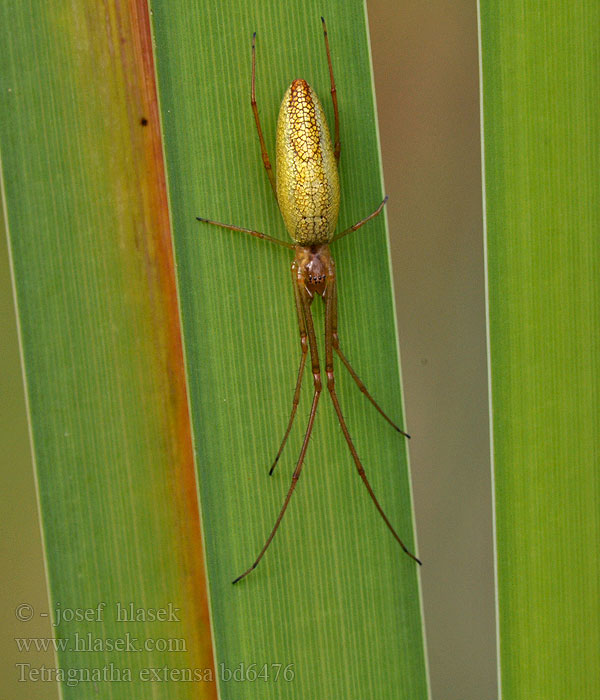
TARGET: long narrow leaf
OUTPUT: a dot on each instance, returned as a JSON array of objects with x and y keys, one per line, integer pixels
[
  {"x": 86, "y": 213},
  {"x": 335, "y": 599},
  {"x": 541, "y": 90}
]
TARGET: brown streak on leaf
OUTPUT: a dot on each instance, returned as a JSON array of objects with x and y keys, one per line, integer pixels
[{"x": 135, "y": 49}]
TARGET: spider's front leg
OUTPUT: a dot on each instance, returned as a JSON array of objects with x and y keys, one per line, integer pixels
[
  {"x": 304, "y": 350},
  {"x": 307, "y": 330},
  {"x": 330, "y": 298}
]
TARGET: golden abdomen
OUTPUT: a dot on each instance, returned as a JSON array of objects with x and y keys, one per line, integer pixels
[{"x": 308, "y": 190}]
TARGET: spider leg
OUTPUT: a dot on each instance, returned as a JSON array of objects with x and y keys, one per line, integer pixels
[
  {"x": 256, "y": 234},
  {"x": 263, "y": 147},
  {"x": 305, "y": 301},
  {"x": 304, "y": 348},
  {"x": 348, "y": 366},
  {"x": 362, "y": 222},
  {"x": 330, "y": 324},
  {"x": 336, "y": 113}
]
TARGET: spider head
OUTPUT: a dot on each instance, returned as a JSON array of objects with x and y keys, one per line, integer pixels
[
  {"x": 316, "y": 278},
  {"x": 317, "y": 270}
]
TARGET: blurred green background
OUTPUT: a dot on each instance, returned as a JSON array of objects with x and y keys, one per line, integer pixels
[{"x": 426, "y": 76}]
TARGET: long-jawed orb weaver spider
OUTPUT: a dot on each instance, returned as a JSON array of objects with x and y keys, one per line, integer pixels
[{"x": 307, "y": 190}]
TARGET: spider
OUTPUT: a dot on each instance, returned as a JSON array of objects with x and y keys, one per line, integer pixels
[{"x": 307, "y": 191}]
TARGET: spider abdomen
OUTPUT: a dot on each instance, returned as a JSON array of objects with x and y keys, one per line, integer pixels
[{"x": 308, "y": 190}]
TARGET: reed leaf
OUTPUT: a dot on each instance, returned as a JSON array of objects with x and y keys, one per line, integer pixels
[
  {"x": 541, "y": 89},
  {"x": 335, "y": 599},
  {"x": 86, "y": 214}
]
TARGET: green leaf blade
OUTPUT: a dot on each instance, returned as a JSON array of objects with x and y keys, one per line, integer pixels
[
  {"x": 334, "y": 596},
  {"x": 93, "y": 272},
  {"x": 541, "y": 83}
]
